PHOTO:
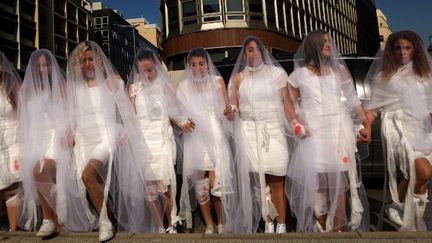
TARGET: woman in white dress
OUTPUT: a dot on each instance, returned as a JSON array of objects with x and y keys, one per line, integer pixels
[
  {"x": 45, "y": 136},
  {"x": 207, "y": 164},
  {"x": 257, "y": 91},
  {"x": 401, "y": 86},
  {"x": 153, "y": 98},
  {"x": 10, "y": 186},
  {"x": 323, "y": 184},
  {"x": 109, "y": 151}
]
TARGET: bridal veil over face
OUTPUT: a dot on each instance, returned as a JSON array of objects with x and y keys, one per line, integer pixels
[
  {"x": 46, "y": 124},
  {"x": 257, "y": 85},
  {"x": 400, "y": 81},
  {"x": 324, "y": 184},
  {"x": 107, "y": 131},
  {"x": 201, "y": 94}
]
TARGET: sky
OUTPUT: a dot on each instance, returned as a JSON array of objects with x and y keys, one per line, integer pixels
[{"x": 415, "y": 15}]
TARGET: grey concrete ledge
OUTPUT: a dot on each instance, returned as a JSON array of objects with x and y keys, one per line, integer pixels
[{"x": 351, "y": 237}]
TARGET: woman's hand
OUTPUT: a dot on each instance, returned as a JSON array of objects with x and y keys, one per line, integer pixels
[
  {"x": 187, "y": 126},
  {"x": 365, "y": 135},
  {"x": 299, "y": 130},
  {"x": 230, "y": 111}
]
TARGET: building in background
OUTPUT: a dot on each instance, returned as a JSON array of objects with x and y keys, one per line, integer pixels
[
  {"x": 383, "y": 27},
  {"x": 57, "y": 25},
  {"x": 368, "y": 41},
  {"x": 149, "y": 31},
  {"x": 116, "y": 37},
  {"x": 220, "y": 26}
]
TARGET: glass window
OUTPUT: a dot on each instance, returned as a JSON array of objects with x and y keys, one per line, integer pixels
[
  {"x": 288, "y": 16},
  {"x": 189, "y": 9},
  {"x": 255, "y": 6},
  {"x": 189, "y": 12},
  {"x": 173, "y": 19},
  {"x": 281, "y": 19},
  {"x": 211, "y": 6},
  {"x": 234, "y": 5},
  {"x": 271, "y": 15}
]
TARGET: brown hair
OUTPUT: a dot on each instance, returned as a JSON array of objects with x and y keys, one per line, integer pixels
[
  {"x": 313, "y": 45},
  {"x": 420, "y": 63}
]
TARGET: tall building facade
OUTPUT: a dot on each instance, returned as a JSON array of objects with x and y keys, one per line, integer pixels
[
  {"x": 150, "y": 32},
  {"x": 57, "y": 25},
  {"x": 116, "y": 37},
  {"x": 220, "y": 26},
  {"x": 383, "y": 27}
]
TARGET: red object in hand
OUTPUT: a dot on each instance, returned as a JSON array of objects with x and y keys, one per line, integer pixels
[{"x": 297, "y": 129}]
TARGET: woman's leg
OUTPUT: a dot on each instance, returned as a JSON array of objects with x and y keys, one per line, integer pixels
[
  {"x": 169, "y": 205},
  {"x": 94, "y": 183},
  {"x": 44, "y": 176},
  {"x": 202, "y": 189},
  {"x": 277, "y": 187},
  {"x": 216, "y": 199},
  {"x": 13, "y": 201},
  {"x": 154, "y": 203},
  {"x": 423, "y": 175}
]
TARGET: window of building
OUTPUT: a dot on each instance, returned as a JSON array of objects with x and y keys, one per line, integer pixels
[
  {"x": 255, "y": 10},
  {"x": 189, "y": 12},
  {"x": 289, "y": 19},
  {"x": 271, "y": 15},
  {"x": 281, "y": 16},
  {"x": 211, "y": 11},
  {"x": 211, "y": 6},
  {"x": 234, "y": 5},
  {"x": 173, "y": 19},
  {"x": 98, "y": 22},
  {"x": 234, "y": 10},
  {"x": 105, "y": 22},
  {"x": 295, "y": 18}
]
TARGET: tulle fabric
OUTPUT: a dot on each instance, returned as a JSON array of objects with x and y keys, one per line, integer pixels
[
  {"x": 155, "y": 104},
  {"x": 207, "y": 147},
  {"x": 323, "y": 174},
  {"x": 9, "y": 150},
  {"x": 404, "y": 101},
  {"x": 260, "y": 133},
  {"x": 107, "y": 130},
  {"x": 45, "y": 128}
]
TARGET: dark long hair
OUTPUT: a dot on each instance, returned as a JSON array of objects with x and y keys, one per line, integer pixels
[{"x": 420, "y": 62}]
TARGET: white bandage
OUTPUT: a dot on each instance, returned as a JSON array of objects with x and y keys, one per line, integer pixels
[
  {"x": 14, "y": 197},
  {"x": 202, "y": 190}
]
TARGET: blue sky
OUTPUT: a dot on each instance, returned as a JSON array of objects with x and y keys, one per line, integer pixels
[{"x": 402, "y": 14}]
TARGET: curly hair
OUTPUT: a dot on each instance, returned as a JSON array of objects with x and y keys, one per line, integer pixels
[{"x": 420, "y": 62}]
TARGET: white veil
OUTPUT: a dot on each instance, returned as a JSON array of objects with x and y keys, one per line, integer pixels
[
  {"x": 206, "y": 148},
  {"x": 155, "y": 102},
  {"x": 10, "y": 83},
  {"x": 107, "y": 129},
  {"x": 323, "y": 174},
  {"x": 256, "y": 89},
  {"x": 402, "y": 93},
  {"x": 45, "y": 130}
]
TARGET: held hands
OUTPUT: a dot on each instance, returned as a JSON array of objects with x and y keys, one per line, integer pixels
[
  {"x": 230, "y": 111},
  {"x": 187, "y": 126},
  {"x": 299, "y": 130},
  {"x": 364, "y": 135}
]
